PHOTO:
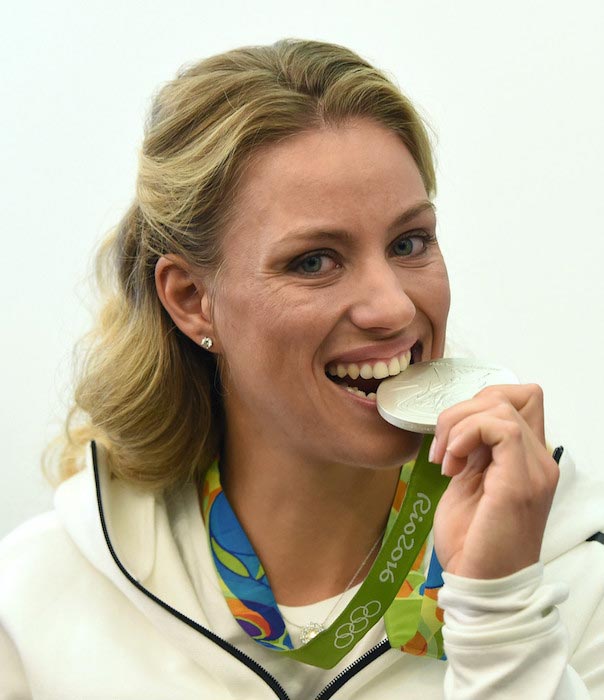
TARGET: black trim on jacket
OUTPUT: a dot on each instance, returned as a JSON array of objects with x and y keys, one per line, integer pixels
[{"x": 333, "y": 686}]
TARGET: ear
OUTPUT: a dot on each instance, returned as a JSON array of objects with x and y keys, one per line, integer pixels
[{"x": 185, "y": 297}]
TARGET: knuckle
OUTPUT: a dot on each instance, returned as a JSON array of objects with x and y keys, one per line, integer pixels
[
  {"x": 514, "y": 430},
  {"x": 543, "y": 488},
  {"x": 506, "y": 410},
  {"x": 493, "y": 391},
  {"x": 522, "y": 495},
  {"x": 441, "y": 421},
  {"x": 548, "y": 476},
  {"x": 444, "y": 422},
  {"x": 502, "y": 400},
  {"x": 552, "y": 472},
  {"x": 455, "y": 432}
]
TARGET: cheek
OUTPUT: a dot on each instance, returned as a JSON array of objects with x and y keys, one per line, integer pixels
[
  {"x": 265, "y": 328},
  {"x": 444, "y": 298},
  {"x": 428, "y": 286},
  {"x": 437, "y": 293},
  {"x": 438, "y": 310},
  {"x": 432, "y": 297}
]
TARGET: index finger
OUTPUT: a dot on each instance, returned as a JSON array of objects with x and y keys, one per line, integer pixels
[{"x": 526, "y": 399}]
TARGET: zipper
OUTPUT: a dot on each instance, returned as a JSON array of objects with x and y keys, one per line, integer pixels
[
  {"x": 270, "y": 680},
  {"x": 328, "y": 691},
  {"x": 344, "y": 676}
]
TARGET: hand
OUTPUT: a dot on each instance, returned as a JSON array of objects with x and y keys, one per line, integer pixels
[{"x": 490, "y": 521}]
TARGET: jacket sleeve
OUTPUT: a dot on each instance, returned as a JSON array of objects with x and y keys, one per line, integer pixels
[
  {"x": 13, "y": 683},
  {"x": 588, "y": 656},
  {"x": 504, "y": 639}
]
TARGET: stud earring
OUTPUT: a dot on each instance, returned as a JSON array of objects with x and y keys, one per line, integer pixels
[{"x": 206, "y": 343}]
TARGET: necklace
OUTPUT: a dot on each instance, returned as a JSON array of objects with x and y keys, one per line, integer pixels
[
  {"x": 406, "y": 601},
  {"x": 311, "y": 629}
]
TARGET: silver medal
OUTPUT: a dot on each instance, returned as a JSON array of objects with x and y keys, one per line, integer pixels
[{"x": 414, "y": 398}]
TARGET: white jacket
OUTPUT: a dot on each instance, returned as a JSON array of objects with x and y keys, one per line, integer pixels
[{"x": 113, "y": 596}]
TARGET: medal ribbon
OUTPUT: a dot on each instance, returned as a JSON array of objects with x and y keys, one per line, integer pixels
[{"x": 248, "y": 594}]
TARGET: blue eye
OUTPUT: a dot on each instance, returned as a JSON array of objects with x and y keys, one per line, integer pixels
[
  {"x": 412, "y": 245},
  {"x": 312, "y": 264},
  {"x": 404, "y": 246},
  {"x": 316, "y": 263}
]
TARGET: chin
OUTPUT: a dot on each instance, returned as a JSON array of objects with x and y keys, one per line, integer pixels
[{"x": 400, "y": 447}]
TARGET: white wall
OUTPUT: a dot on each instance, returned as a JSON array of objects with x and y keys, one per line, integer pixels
[{"x": 514, "y": 91}]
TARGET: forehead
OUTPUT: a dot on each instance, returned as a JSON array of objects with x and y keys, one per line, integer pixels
[{"x": 352, "y": 172}]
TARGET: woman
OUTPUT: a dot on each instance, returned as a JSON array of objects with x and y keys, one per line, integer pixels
[{"x": 278, "y": 262}]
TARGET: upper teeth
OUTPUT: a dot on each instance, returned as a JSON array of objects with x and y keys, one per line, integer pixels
[{"x": 376, "y": 370}]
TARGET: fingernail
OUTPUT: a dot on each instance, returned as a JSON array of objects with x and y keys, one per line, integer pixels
[
  {"x": 445, "y": 465},
  {"x": 432, "y": 452}
]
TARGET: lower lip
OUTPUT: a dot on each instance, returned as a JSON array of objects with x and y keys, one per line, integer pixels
[{"x": 361, "y": 401}]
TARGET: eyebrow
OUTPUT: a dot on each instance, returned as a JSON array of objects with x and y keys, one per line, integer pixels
[{"x": 312, "y": 233}]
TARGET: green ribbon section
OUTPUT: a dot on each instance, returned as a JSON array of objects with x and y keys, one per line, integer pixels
[{"x": 391, "y": 567}]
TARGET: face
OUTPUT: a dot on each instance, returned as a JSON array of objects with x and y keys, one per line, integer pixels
[{"x": 331, "y": 268}]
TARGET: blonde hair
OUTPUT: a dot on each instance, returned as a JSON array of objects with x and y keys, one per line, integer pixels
[{"x": 143, "y": 389}]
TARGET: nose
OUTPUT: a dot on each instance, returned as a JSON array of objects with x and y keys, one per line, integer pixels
[{"x": 380, "y": 301}]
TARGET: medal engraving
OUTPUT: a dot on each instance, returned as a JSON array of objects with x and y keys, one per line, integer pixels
[{"x": 414, "y": 399}]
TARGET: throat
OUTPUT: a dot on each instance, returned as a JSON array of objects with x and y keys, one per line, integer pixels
[{"x": 310, "y": 524}]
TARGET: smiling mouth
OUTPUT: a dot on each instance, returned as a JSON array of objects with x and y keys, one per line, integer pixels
[{"x": 363, "y": 379}]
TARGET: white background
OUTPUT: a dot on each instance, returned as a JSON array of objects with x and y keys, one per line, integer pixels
[{"x": 513, "y": 90}]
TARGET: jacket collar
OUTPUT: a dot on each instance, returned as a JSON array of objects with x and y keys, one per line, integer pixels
[
  {"x": 92, "y": 501},
  {"x": 92, "y": 504}
]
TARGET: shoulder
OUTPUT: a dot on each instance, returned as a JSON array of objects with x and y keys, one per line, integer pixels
[
  {"x": 36, "y": 559},
  {"x": 33, "y": 539},
  {"x": 577, "y": 512},
  {"x": 33, "y": 547}
]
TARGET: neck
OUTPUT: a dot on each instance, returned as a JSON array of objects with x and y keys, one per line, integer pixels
[{"x": 312, "y": 525}]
